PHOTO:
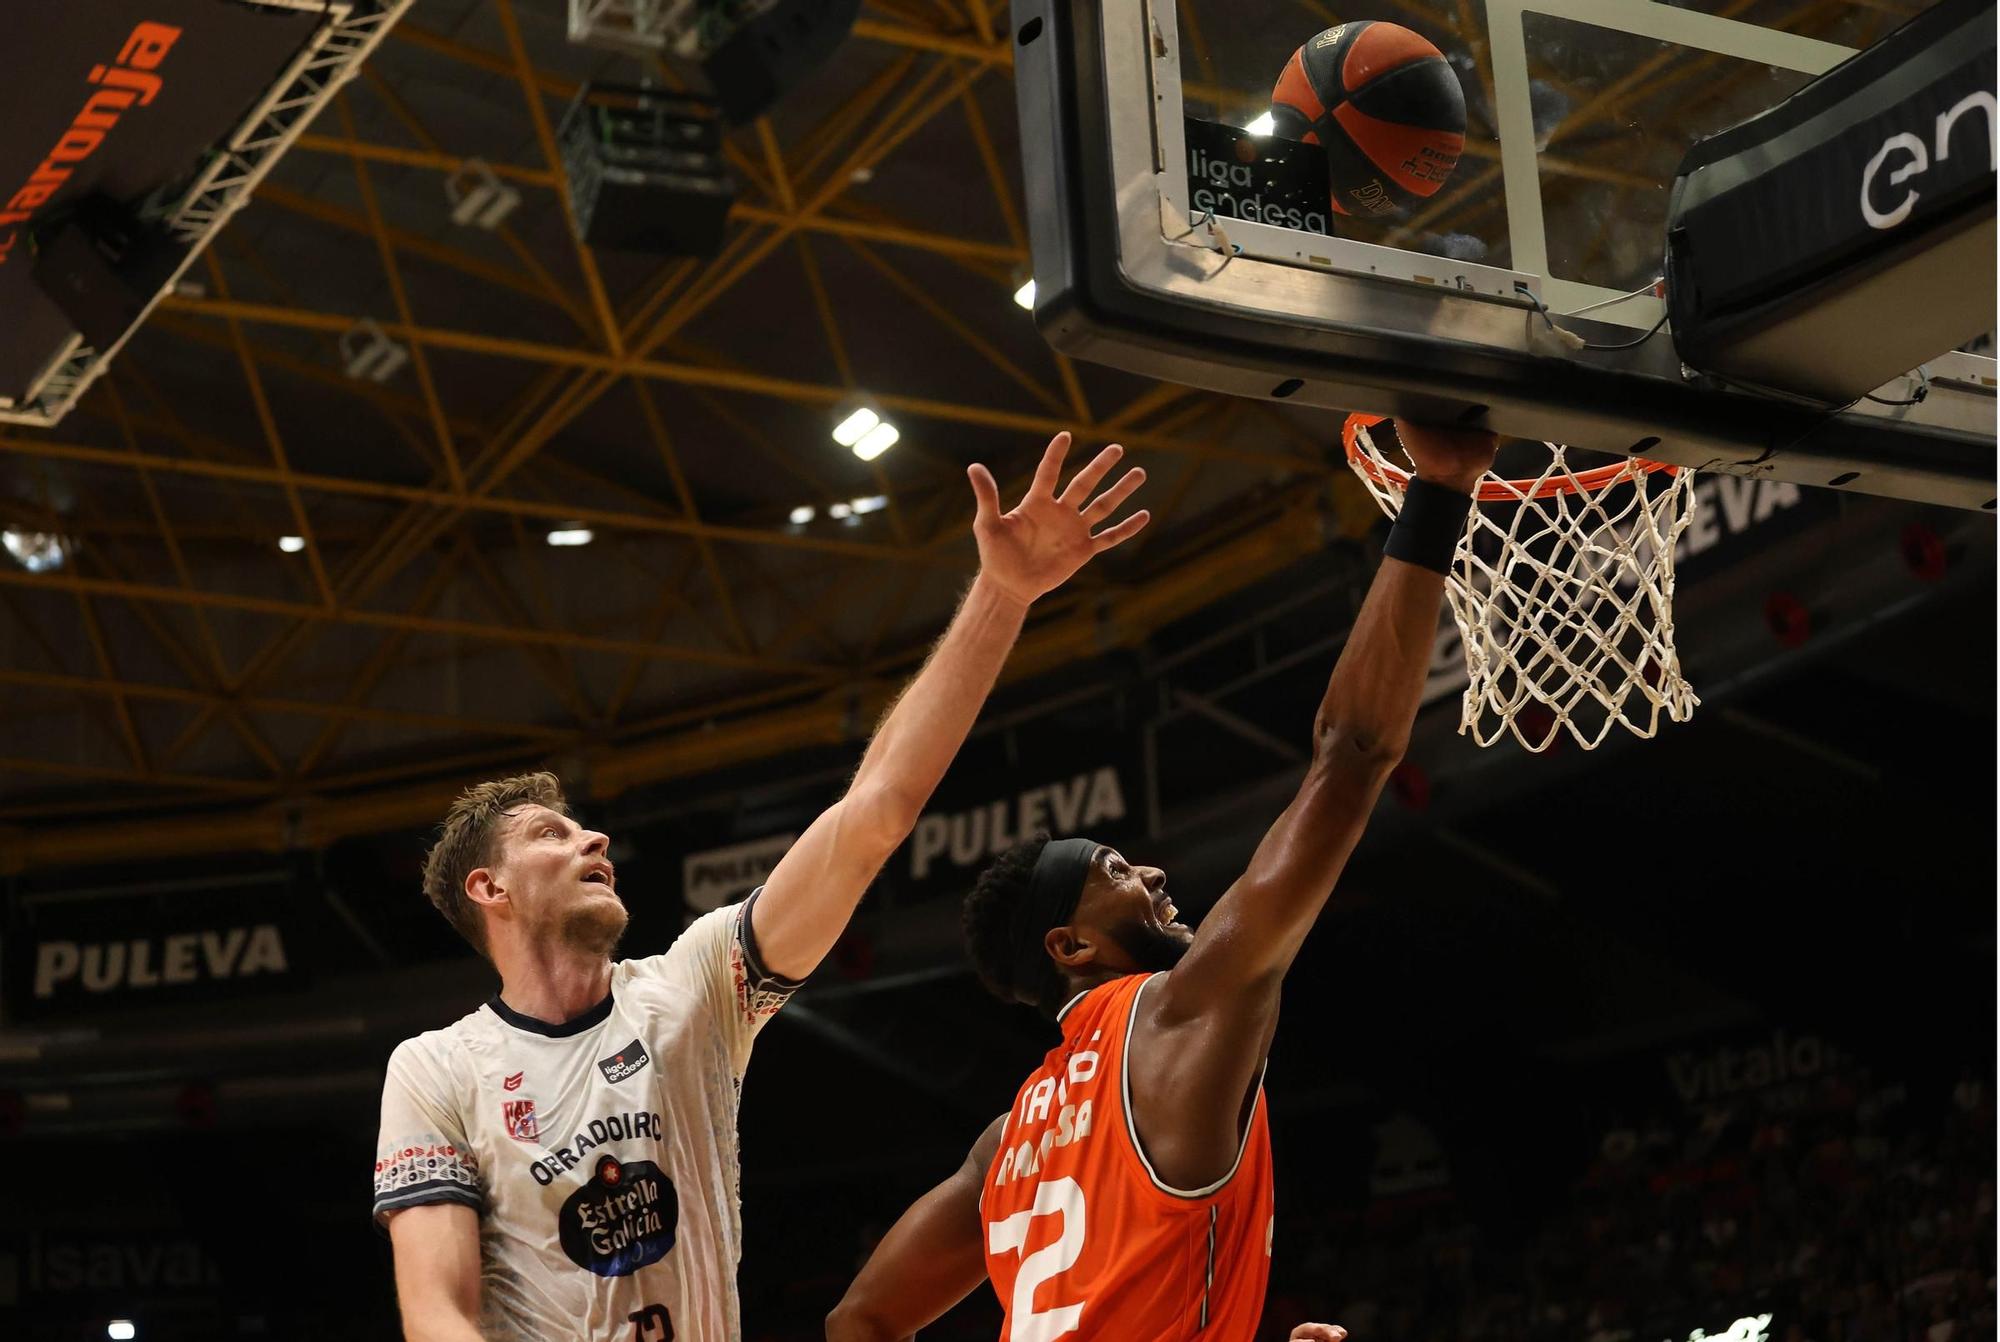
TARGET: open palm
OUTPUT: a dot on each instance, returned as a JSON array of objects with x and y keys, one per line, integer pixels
[{"x": 1047, "y": 537}]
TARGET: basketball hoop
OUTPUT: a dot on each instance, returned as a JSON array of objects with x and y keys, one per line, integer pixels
[{"x": 1563, "y": 593}]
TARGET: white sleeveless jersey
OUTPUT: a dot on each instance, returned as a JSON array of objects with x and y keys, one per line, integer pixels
[{"x": 600, "y": 1154}]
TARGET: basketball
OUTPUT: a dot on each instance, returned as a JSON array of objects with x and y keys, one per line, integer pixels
[{"x": 1384, "y": 105}]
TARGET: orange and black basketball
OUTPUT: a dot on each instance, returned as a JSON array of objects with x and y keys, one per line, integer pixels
[{"x": 1384, "y": 105}]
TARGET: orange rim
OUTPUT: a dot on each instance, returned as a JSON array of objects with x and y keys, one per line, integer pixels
[{"x": 1496, "y": 490}]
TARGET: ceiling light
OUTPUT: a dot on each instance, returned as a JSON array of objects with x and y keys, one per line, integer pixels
[
  {"x": 368, "y": 354},
  {"x": 570, "y": 536},
  {"x": 802, "y": 514},
  {"x": 35, "y": 551},
  {"x": 839, "y": 512},
  {"x": 874, "y": 503},
  {"x": 1263, "y": 125},
  {"x": 1025, "y": 296},
  {"x": 877, "y": 441},
  {"x": 855, "y": 426},
  {"x": 291, "y": 545},
  {"x": 120, "y": 1330},
  {"x": 478, "y": 198}
]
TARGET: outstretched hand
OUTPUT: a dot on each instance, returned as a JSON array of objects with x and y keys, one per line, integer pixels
[
  {"x": 1047, "y": 537},
  {"x": 1452, "y": 457},
  {"x": 1319, "y": 1332}
]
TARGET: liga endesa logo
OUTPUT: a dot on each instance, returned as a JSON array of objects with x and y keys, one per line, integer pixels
[{"x": 127, "y": 80}]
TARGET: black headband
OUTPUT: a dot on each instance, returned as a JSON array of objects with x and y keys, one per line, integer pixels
[{"x": 1053, "y": 892}]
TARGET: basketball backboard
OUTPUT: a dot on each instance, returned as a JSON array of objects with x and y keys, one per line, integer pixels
[{"x": 1158, "y": 252}]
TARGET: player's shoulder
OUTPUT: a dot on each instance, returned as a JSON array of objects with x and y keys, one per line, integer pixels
[
  {"x": 438, "y": 1051},
  {"x": 709, "y": 934}
]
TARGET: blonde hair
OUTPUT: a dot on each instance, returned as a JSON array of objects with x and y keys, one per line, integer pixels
[{"x": 469, "y": 838}]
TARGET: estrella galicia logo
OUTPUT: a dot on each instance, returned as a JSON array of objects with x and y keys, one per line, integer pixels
[
  {"x": 627, "y": 1061},
  {"x": 621, "y": 1220}
]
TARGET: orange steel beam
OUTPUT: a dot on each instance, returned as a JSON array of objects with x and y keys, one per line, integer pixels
[
  {"x": 781, "y": 181},
  {"x": 505, "y": 232},
  {"x": 434, "y": 159},
  {"x": 272, "y": 441},
  {"x": 133, "y": 745},
  {"x": 732, "y": 380},
  {"x": 393, "y": 272},
  {"x": 980, "y": 18},
  {"x": 655, "y": 625},
  {"x": 663, "y": 443},
  {"x": 993, "y": 53},
  {"x": 412, "y": 244},
  {"x": 99, "y": 774},
  {"x": 170, "y": 423},
  {"x": 490, "y": 633},
  {"x": 380, "y": 662},
  {"x": 531, "y": 94},
  {"x": 310, "y": 708},
  {"x": 547, "y": 662},
  {"x": 24, "y": 620},
  {"x": 996, "y": 176},
  {"x": 609, "y": 519},
  {"x": 167, "y": 531},
  {"x": 860, "y": 107},
  {"x": 393, "y": 405},
  {"x": 944, "y": 317},
  {"x": 171, "y": 645}
]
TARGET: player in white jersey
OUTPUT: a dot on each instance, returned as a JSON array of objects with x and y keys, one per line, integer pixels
[{"x": 562, "y": 1162}]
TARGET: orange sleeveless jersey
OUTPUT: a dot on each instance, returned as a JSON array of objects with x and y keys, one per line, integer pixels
[{"x": 1083, "y": 1242}]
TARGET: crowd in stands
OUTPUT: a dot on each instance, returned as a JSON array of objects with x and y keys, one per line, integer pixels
[{"x": 1844, "y": 1209}]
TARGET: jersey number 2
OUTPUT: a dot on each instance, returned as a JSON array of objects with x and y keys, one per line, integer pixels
[{"x": 1058, "y": 1197}]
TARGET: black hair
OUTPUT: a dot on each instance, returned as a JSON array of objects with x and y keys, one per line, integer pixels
[{"x": 988, "y": 920}]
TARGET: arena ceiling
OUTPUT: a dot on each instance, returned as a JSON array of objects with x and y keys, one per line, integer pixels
[
  {"x": 678, "y": 409},
  {"x": 179, "y": 665}
]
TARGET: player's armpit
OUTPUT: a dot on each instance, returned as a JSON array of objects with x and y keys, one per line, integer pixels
[
  {"x": 932, "y": 1258},
  {"x": 437, "y": 1271}
]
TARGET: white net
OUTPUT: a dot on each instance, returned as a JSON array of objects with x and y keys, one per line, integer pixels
[{"x": 1563, "y": 593}]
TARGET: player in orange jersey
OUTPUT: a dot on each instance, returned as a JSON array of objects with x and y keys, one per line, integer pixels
[{"x": 1126, "y": 1195}]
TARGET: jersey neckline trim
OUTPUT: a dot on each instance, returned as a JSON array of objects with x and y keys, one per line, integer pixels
[
  {"x": 576, "y": 1025},
  {"x": 1073, "y": 1001},
  {"x": 1132, "y": 1123}
]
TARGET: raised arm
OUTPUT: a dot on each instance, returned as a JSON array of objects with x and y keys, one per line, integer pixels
[
  {"x": 1249, "y": 939},
  {"x": 932, "y": 1258},
  {"x": 1022, "y": 555}
]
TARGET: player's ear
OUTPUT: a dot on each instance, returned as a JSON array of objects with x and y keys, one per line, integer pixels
[
  {"x": 1068, "y": 948},
  {"x": 481, "y": 887}
]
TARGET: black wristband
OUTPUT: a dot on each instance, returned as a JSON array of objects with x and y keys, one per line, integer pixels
[{"x": 1428, "y": 527}]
